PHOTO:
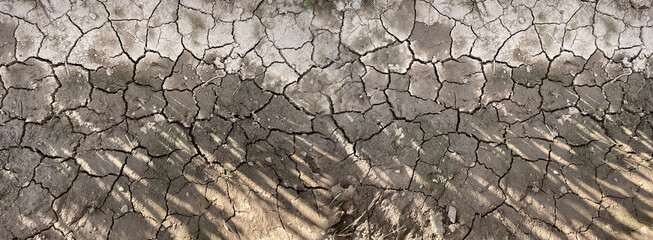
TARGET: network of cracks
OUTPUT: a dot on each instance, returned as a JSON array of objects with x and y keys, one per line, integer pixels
[{"x": 315, "y": 119}]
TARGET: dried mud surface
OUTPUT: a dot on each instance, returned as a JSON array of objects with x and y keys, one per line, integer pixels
[{"x": 346, "y": 119}]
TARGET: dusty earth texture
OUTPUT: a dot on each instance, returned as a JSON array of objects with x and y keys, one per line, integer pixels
[{"x": 316, "y": 119}]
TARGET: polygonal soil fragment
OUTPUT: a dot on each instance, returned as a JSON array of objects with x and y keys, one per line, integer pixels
[
  {"x": 435, "y": 124},
  {"x": 236, "y": 98},
  {"x": 56, "y": 175},
  {"x": 149, "y": 198},
  {"x": 574, "y": 127},
  {"x": 247, "y": 33},
  {"x": 556, "y": 96},
  {"x": 580, "y": 213},
  {"x": 181, "y": 107},
  {"x": 32, "y": 209},
  {"x": 326, "y": 48},
  {"x": 375, "y": 82},
  {"x": 277, "y": 77},
  {"x": 580, "y": 41},
  {"x": 517, "y": 18},
  {"x": 594, "y": 72},
  {"x": 343, "y": 84},
  {"x": 88, "y": 193},
  {"x": 184, "y": 75},
  {"x": 495, "y": 157},
  {"x": 7, "y": 43},
  {"x": 398, "y": 17},
  {"x": 639, "y": 94},
  {"x": 523, "y": 104},
  {"x": 158, "y": 136},
  {"x": 475, "y": 192},
  {"x": 18, "y": 169},
  {"x": 423, "y": 81},
  {"x": 121, "y": 9},
  {"x": 592, "y": 101},
  {"x": 280, "y": 114},
  {"x": 101, "y": 163},
  {"x": 186, "y": 198},
  {"x": 152, "y": 70},
  {"x": 96, "y": 48},
  {"x": 115, "y": 76},
  {"x": 463, "y": 39},
  {"x": 363, "y": 31},
  {"x": 194, "y": 27},
  {"x": 299, "y": 59},
  {"x": 247, "y": 204},
  {"x": 396, "y": 161},
  {"x": 103, "y": 111},
  {"x": 133, "y": 36},
  {"x": 483, "y": 124},
  {"x": 132, "y": 225},
  {"x": 31, "y": 105},
  {"x": 88, "y": 15},
  {"x": 520, "y": 49},
  {"x": 75, "y": 88},
  {"x": 54, "y": 138},
  {"x": 499, "y": 83},
  {"x": 28, "y": 40},
  {"x": 532, "y": 74},
  {"x": 59, "y": 39},
  {"x": 289, "y": 30},
  {"x": 350, "y": 97},
  {"x": 463, "y": 96},
  {"x": 406, "y": 106},
  {"x": 394, "y": 58},
  {"x": 565, "y": 67},
  {"x": 551, "y": 42},
  {"x": 29, "y": 90},
  {"x": 431, "y": 42},
  {"x": 362, "y": 126},
  {"x": 491, "y": 36},
  {"x": 10, "y": 133},
  {"x": 143, "y": 101}
]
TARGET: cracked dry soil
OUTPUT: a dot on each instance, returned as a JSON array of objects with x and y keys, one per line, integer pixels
[{"x": 346, "y": 119}]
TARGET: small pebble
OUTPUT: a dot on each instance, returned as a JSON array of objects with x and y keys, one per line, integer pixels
[
  {"x": 92, "y": 16},
  {"x": 6, "y": 7},
  {"x": 250, "y": 163},
  {"x": 536, "y": 189},
  {"x": 521, "y": 20},
  {"x": 452, "y": 214},
  {"x": 447, "y": 9},
  {"x": 397, "y": 171},
  {"x": 563, "y": 190}
]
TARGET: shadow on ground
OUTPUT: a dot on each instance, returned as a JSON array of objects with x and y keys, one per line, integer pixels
[{"x": 261, "y": 167}]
